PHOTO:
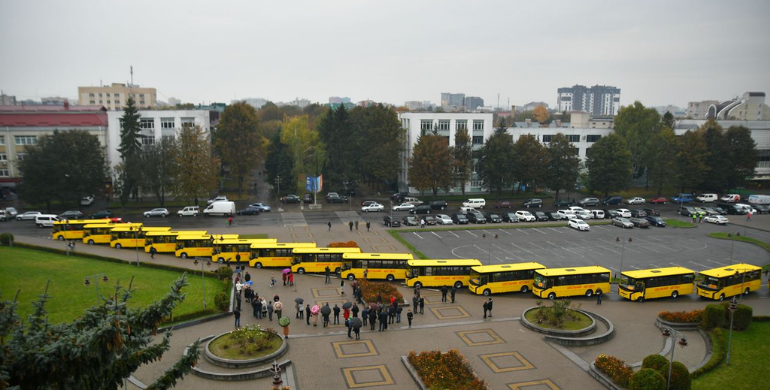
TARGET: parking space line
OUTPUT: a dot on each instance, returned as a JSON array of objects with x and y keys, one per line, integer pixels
[
  {"x": 524, "y": 249},
  {"x": 699, "y": 265},
  {"x": 469, "y": 232},
  {"x": 505, "y": 231},
  {"x": 675, "y": 264},
  {"x": 522, "y": 231},
  {"x": 571, "y": 251},
  {"x": 415, "y": 233},
  {"x": 614, "y": 269},
  {"x": 634, "y": 267},
  {"x": 507, "y": 251},
  {"x": 489, "y": 253},
  {"x": 599, "y": 227},
  {"x": 535, "y": 229},
  {"x": 646, "y": 246},
  {"x": 717, "y": 263},
  {"x": 583, "y": 248},
  {"x": 603, "y": 247},
  {"x": 434, "y": 233},
  {"x": 452, "y": 233},
  {"x": 557, "y": 231},
  {"x": 660, "y": 245}
]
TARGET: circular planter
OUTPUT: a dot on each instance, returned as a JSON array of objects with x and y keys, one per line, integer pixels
[
  {"x": 241, "y": 363},
  {"x": 558, "y": 332}
]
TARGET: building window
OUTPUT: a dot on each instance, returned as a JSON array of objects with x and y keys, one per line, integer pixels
[
  {"x": 2, "y": 140},
  {"x": 573, "y": 138},
  {"x": 26, "y": 140},
  {"x": 478, "y": 125},
  {"x": 141, "y": 96},
  {"x": 90, "y": 95},
  {"x": 547, "y": 137},
  {"x": 3, "y": 157},
  {"x": 476, "y": 183},
  {"x": 166, "y": 123},
  {"x": 426, "y": 125},
  {"x": 141, "y": 103},
  {"x": 461, "y": 124},
  {"x": 189, "y": 122},
  {"x": 577, "y": 151},
  {"x": 593, "y": 138},
  {"x": 147, "y": 123},
  {"x": 92, "y": 102},
  {"x": 478, "y": 140},
  {"x": 109, "y": 101},
  {"x": 21, "y": 156},
  {"x": 443, "y": 125},
  {"x": 168, "y": 138},
  {"x": 147, "y": 140},
  {"x": 764, "y": 159},
  {"x": 100, "y": 95},
  {"x": 3, "y": 173}
]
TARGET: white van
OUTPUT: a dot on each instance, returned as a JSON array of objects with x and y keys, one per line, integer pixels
[
  {"x": 413, "y": 201},
  {"x": 477, "y": 203},
  {"x": 707, "y": 198},
  {"x": 746, "y": 208},
  {"x": 598, "y": 214},
  {"x": 731, "y": 198},
  {"x": 188, "y": 211},
  {"x": 220, "y": 208},
  {"x": 45, "y": 220},
  {"x": 759, "y": 199}
]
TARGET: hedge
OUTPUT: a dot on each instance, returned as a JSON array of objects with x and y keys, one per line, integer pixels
[
  {"x": 713, "y": 317},
  {"x": 6, "y": 239},
  {"x": 741, "y": 318},
  {"x": 647, "y": 379},
  {"x": 680, "y": 376},
  {"x": 719, "y": 352},
  {"x": 654, "y": 361},
  {"x": 681, "y": 316}
]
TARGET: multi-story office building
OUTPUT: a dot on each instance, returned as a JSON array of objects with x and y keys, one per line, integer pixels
[
  {"x": 113, "y": 97},
  {"x": 452, "y": 100},
  {"x": 599, "y": 100},
  {"x": 698, "y": 110},
  {"x": 473, "y": 102},
  {"x": 7, "y": 100},
  {"x": 339, "y": 100},
  {"x": 480, "y": 127},
  {"x": 581, "y": 138}
]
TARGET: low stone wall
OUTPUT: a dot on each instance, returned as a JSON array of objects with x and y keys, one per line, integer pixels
[
  {"x": 239, "y": 376},
  {"x": 572, "y": 338},
  {"x": 558, "y": 332},
  {"x": 230, "y": 363},
  {"x": 676, "y": 325}
]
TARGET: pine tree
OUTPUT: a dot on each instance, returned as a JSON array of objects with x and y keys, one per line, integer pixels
[{"x": 130, "y": 127}]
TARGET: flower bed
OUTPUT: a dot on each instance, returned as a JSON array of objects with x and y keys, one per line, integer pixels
[
  {"x": 369, "y": 291},
  {"x": 247, "y": 342},
  {"x": 446, "y": 371},
  {"x": 616, "y": 369},
  {"x": 682, "y": 316}
]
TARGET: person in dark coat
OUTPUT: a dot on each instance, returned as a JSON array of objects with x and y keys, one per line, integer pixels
[
  {"x": 259, "y": 307},
  {"x": 485, "y": 309},
  {"x": 336, "y": 311},
  {"x": 454, "y": 290},
  {"x": 489, "y": 306},
  {"x": 349, "y": 324},
  {"x": 237, "y": 314},
  {"x": 372, "y": 318},
  {"x": 444, "y": 291},
  {"x": 247, "y": 277},
  {"x": 422, "y": 305},
  {"x": 307, "y": 313},
  {"x": 598, "y": 297},
  {"x": 354, "y": 310},
  {"x": 383, "y": 318},
  {"x": 409, "y": 316},
  {"x": 415, "y": 302},
  {"x": 365, "y": 314},
  {"x": 254, "y": 307}
]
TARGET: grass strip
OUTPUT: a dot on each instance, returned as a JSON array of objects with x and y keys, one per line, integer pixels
[
  {"x": 738, "y": 237},
  {"x": 409, "y": 246},
  {"x": 749, "y": 359},
  {"x": 675, "y": 223}
]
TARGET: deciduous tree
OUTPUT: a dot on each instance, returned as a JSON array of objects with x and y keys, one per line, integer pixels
[
  {"x": 530, "y": 161},
  {"x": 279, "y": 163},
  {"x": 431, "y": 164},
  {"x": 496, "y": 162},
  {"x": 463, "y": 157},
  {"x": 743, "y": 155},
  {"x": 541, "y": 114},
  {"x": 196, "y": 168},
  {"x": 239, "y": 140},
  {"x": 691, "y": 160},
  {"x": 563, "y": 164},
  {"x": 158, "y": 167},
  {"x": 305, "y": 147},
  {"x": 609, "y": 164},
  {"x": 636, "y": 124},
  {"x": 662, "y": 169}
]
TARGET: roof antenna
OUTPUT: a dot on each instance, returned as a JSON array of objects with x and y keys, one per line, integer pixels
[{"x": 132, "y": 75}]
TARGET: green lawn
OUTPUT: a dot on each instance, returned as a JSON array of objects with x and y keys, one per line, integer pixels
[
  {"x": 29, "y": 270},
  {"x": 748, "y": 362},
  {"x": 677, "y": 223}
]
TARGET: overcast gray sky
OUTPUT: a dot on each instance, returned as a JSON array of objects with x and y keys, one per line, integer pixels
[{"x": 658, "y": 52}]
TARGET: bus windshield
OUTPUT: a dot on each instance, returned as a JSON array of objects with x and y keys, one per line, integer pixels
[
  {"x": 540, "y": 280},
  {"x": 478, "y": 279},
  {"x": 710, "y": 283}
]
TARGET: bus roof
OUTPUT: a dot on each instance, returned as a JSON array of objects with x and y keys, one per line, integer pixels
[
  {"x": 572, "y": 270},
  {"x": 436, "y": 262},
  {"x": 102, "y": 224},
  {"x": 81, "y": 221},
  {"x": 147, "y": 229},
  {"x": 279, "y": 245},
  {"x": 191, "y": 235},
  {"x": 230, "y": 240},
  {"x": 373, "y": 256},
  {"x": 487, "y": 269},
  {"x": 722, "y": 272},
  {"x": 652, "y": 272},
  {"x": 327, "y": 250},
  {"x": 175, "y": 233}
]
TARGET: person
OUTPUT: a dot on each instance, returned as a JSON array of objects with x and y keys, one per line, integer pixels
[
  {"x": 283, "y": 276},
  {"x": 409, "y": 316},
  {"x": 342, "y": 287},
  {"x": 365, "y": 314},
  {"x": 286, "y": 332},
  {"x": 315, "y": 316},
  {"x": 748, "y": 219},
  {"x": 368, "y": 225},
  {"x": 357, "y": 329},
  {"x": 383, "y": 318},
  {"x": 351, "y": 225},
  {"x": 290, "y": 279},
  {"x": 489, "y": 306},
  {"x": 356, "y": 225},
  {"x": 152, "y": 252},
  {"x": 247, "y": 277},
  {"x": 422, "y": 305},
  {"x": 277, "y": 307},
  {"x": 694, "y": 217},
  {"x": 330, "y": 225},
  {"x": 415, "y": 301},
  {"x": 379, "y": 297},
  {"x": 230, "y": 221},
  {"x": 270, "y": 308},
  {"x": 263, "y": 301},
  {"x": 366, "y": 274},
  {"x": 326, "y": 273},
  {"x": 398, "y": 314},
  {"x": 444, "y": 291},
  {"x": 307, "y": 313},
  {"x": 257, "y": 302},
  {"x": 354, "y": 310},
  {"x": 422, "y": 222},
  {"x": 454, "y": 290},
  {"x": 336, "y": 311},
  {"x": 417, "y": 290},
  {"x": 372, "y": 318},
  {"x": 484, "y": 305},
  {"x": 349, "y": 324},
  {"x": 237, "y": 314},
  {"x": 326, "y": 315},
  {"x": 272, "y": 280},
  {"x": 255, "y": 308},
  {"x": 598, "y": 297}
]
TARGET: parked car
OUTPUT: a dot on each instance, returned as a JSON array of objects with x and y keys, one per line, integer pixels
[
  {"x": 532, "y": 202},
  {"x": 249, "y": 211},
  {"x": 443, "y": 219},
  {"x": 421, "y": 209},
  {"x": 398, "y": 197},
  {"x": 640, "y": 222},
  {"x": 27, "y": 216},
  {"x": 493, "y": 217},
  {"x": 540, "y": 216},
  {"x": 611, "y": 214},
  {"x": 411, "y": 200},
  {"x": 510, "y": 217},
  {"x": 562, "y": 203},
  {"x": 525, "y": 216},
  {"x": 731, "y": 198},
  {"x": 45, "y": 220},
  {"x": 459, "y": 219},
  {"x": 762, "y": 208},
  {"x": 410, "y": 220},
  {"x": 71, "y": 214},
  {"x": 336, "y": 199},
  {"x": 429, "y": 220},
  {"x": 578, "y": 224},
  {"x": 612, "y": 200},
  {"x": 589, "y": 202},
  {"x": 189, "y": 211},
  {"x": 3, "y": 216},
  {"x": 717, "y": 219},
  {"x": 220, "y": 198},
  {"x": 710, "y": 211},
  {"x": 598, "y": 214},
  {"x": 622, "y": 222},
  {"x": 723, "y": 211},
  {"x": 638, "y": 213},
  {"x": 583, "y": 214},
  {"x": 307, "y": 198},
  {"x": 553, "y": 216},
  {"x": 261, "y": 207},
  {"x": 332, "y": 194},
  {"x": 566, "y": 214},
  {"x": 652, "y": 212},
  {"x": 656, "y": 221},
  {"x": 635, "y": 200},
  {"x": 686, "y": 211},
  {"x": 476, "y": 217},
  {"x": 503, "y": 205},
  {"x": 438, "y": 205},
  {"x": 625, "y": 213},
  {"x": 87, "y": 200},
  {"x": 290, "y": 199},
  {"x": 703, "y": 198},
  {"x": 403, "y": 207},
  {"x": 376, "y": 207},
  {"x": 11, "y": 212},
  {"x": 682, "y": 198},
  {"x": 156, "y": 212},
  {"x": 391, "y": 221},
  {"x": 476, "y": 203},
  {"x": 101, "y": 214},
  {"x": 659, "y": 200}
]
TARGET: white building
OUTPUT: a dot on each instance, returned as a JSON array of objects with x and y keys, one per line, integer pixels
[
  {"x": 155, "y": 124},
  {"x": 581, "y": 138},
  {"x": 480, "y": 127}
]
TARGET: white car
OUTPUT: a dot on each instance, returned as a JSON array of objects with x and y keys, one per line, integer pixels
[
  {"x": 624, "y": 213},
  {"x": 635, "y": 200},
  {"x": 87, "y": 200},
  {"x": 443, "y": 219},
  {"x": 373, "y": 207},
  {"x": 11, "y": 212},
  {"x": 28, "y": 216},
  {"x": 221, "y": 198},
  {"x": 566, "y": 214},
  {"x": 525, "y": 216},
  {"x": 403, "y": 207},
  {"x": 189, "y": 211},
  {"x": 575, "y": 209},
  {"x": 578, "y": 224},
  {"x": 159, "y": 212},
  {"x": 717, "y": 219},
  {"x": 261, "y": 207},
  {"x": 583, "y": 214}
]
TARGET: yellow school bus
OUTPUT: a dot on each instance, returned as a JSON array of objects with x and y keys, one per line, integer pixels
[
  {"x": 317, "y": 259},
  {"x": 236, "y": 249},
  {"x": 198, "y": 245},
  {"x": 100, "y": 233},
  {"x": 503, "y": 278},
  {"x": 275, "y": 255},
  {"x": 656, "y": 283},
  {"x": 725, "y": 282},
  {"x": 132, "y": 236},
  {"x": 387, "y": 266},
  {"x": 73, "y": 229},
  {"x": 554, "y": 283},
  {"x": 443, "y": 272},
  {"x": 165, "y": 242}
]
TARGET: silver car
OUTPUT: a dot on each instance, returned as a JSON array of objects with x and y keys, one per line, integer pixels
[
  {"x": 622, "y": 222},
  {"x": 159, "y": 212}
]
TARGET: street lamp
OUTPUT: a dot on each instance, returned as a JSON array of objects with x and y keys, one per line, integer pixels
[
  {"x": 203, "y": 277},
  {"x": 732, "y": 308},
  {"x": 136, "y": 242},
  {"x": 622, "y": 254},
  {"x": 489, "y": 248},
  {"x": 683, "y": 342},
  {"x": 96, "y": 283}
]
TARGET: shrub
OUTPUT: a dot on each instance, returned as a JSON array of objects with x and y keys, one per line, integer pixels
[
  {"x": 741, "y": 318},
  {"x": 349, "y": 244},
  {"x": 224, "y": 272},
  {"x": 222, "y": 301},
  {"x": 680, "y": 376},
  {"x": 654, "y": 361},
  {"x": 713, "y": 316},
  {"x": 647, "y": 379},
  {"x": 6, "y": 239},
  {"x": 447, "y": 371},
  {"x": 369, "y": 291},
  {"x": 719, "y": 343},
  {"x": 616, "y": 369},
  {"x": 560, "y": 311},
  {"x": 681, "y": 316}
]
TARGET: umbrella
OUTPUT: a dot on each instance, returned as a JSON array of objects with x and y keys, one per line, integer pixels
[
  {"x": 372, "y": 305},
  {"x": 347, "y": 305},
  {"x": 356, "y": 323},
  {"x": 286, "y": 271},
  {"x": 314, "y": 310},
  {"x": 326, "y": 310},
  {"x": 250, "y": 283},
  {"x": 299, "y": 300},
  {"x": 284, "y": 321}
]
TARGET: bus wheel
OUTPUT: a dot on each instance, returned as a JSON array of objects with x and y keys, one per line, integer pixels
[
  {"x": 552, "y": 296},
  {"x": 118, "y": 246},
  {"x": 525, "y": 289},
  {"x": 301, "y": 271},
  {"x": 221, "y": 260},
  {"x": 458, "y": 284},
  {"x": 418, "y": 285},
  {"x": 640, "y": 299},
  {"x": 337, "y": 270},
  {"x": 722, "y": 297},
  {"x": 487, "y": 292},
  {"x": 747, "y": 291},
  {"x": 61, "y": 238},
  {"x": 90, "y": 242},
  {"x": 184, "y": 255},
  {"x": 351, "y": 277},
  {"x": 258, "y": 265},
  {"x": 674, "y": 294},
  {"x": 390, "y": 278},
  {"x": 589, "y": 293}
]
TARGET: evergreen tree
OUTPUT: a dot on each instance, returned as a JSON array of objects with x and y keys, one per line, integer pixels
[
  {"x": 563, "y": 164},
  {"x": 691, "y": 160},
  {"x": 743, "y": 155},
  {"x": 662, "y": 169},
  {"x": 463, "y": 157},
  {"x": 609, "y": 164},
  {"x": 130, "y": 147},
  {"x": 718, "y": 158},
  {"x": 496, "y": 162},
  {"x": 239, "y": 140},
  {"x": 279, "y": 163}
]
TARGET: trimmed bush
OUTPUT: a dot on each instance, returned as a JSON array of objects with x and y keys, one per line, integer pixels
[
  {"x": 222, "y": 301},
  {"x": 682, "y": 316},
  {"x": 713, "y": 316},
  {"x": 6, "y": 239},
  {"x": 680, "y": 376},
  {"x": 647, "y": 379},
  {"x": 225, "y": 272},
  {"x": 742, "y": 316},
  {"x": 761, "y": 318},
  {"x": 654, "y": 361},
  {"x": 616, "y": 369},
  {"x": 719, "y": 343},
  {"x": 370, "y": 290}
]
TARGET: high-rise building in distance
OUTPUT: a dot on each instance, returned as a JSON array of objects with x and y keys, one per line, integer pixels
[{"x": 599, "y": 100}]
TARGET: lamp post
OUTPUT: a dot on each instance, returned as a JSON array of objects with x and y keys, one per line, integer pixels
[
  {"x": 278, "y": 182},
  {"x": 96, "y": 283},
  {"x": 683, "y": 342},
  {"x": 489, "y": 248},
  {"x": 203, "y": 278},
  {"x": 732, "y": 308},
  {"x": 136, "y": 242},
  {"x": 622, "y": 254}
]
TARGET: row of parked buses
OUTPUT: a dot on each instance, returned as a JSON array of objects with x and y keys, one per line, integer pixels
[{"x": 351, "y": 263}]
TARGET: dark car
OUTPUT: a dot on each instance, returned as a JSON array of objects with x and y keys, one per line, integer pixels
[
  {"x": 391, "y": 221},
  {"x": 762, "y": 208},
  {"x": 686, "y": 211},
  {"x": 290, "y": 199},
  {"x": 72, "y": 214},
  {"x": 589, "y": 202},
  {"x": 534, "y": 202},
  {"x": 721, "y": 210},
  {"x": 611, "y": 214},
  {"x": 398, "y": 197},
  {"x": 249, "y": 211},
  {"x": 308, "y": 198},
  {"x": 493, "y": 218},
  {"x": 429, "y": 220},
  {"x": 612, "y": 200},
  {"x": 476, "y": 217},
  {"x": 540, "y": 216},
  {"x": 652, "y": 212},
  {"x": 552, "y": 216},
  {"x": 459, "y": 219},
  {"x": 638, "y": 213},
  {"x": 421, "y": 209},
  {"x": 438, "y": 205},
  {"x": 503, "y": 205},
  {"x": 656, "y": 221},
  {"x": 640, "y": 222},
  {"x": 731, "y": 209},
  {"x": 410, "y": 221},
  {"x": 562, "y": 203},
  {"x": 101, "y": 214},
  {"x": 510, "y": 217},
  {"x": 336, "y": 199}
]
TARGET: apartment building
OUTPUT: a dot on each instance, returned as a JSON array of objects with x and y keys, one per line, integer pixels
[
  {"x": 113, "y": 97},
  {"x": 599, "y": 100}
]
